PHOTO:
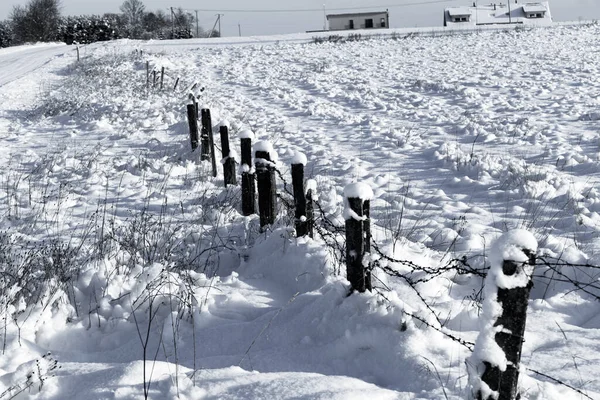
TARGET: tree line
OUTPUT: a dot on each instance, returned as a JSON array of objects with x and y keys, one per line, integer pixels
[{"x": 41, "y": 21}]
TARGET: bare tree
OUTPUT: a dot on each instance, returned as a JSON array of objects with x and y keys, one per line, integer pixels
[
  {"x": 133, "y": 11},
  {"x": 37, "y": 21}
]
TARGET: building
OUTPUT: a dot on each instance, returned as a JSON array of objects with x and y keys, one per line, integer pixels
[
  {"x": 511, "y": 12},
  {"x": 365, "y": 20}
]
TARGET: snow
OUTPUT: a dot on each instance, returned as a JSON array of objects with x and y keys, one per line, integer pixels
[
  {"x": 358, "y": 190},
  {"x": 267, "y": 147},
  {"x": 112, "y": 226},
  {"x": 510, "y": 246},
  {"x": 246, "y": 134},
  {"x": 299, "y": 158}
]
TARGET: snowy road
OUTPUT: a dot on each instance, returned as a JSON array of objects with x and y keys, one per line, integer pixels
[{"x": 22, "y": 60}]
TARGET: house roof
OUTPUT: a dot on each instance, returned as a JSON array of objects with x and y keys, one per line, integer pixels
[
  {"x": 534, "y": 8},
  {"x": 459, "y": 11},
  {"x": 513, "y": 13},
  {"x": 358, "y": 14}
]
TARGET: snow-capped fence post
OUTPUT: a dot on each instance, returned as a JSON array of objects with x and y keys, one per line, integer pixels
[
  {"x": 267, "y": 186},
  {"x": 193, "y": 124},
  {"x": 248, "y": 185},
  {"x": 357, "y": 199},
  {"x": 494, "y": 365},
  {"x": 207, "y": 140},
  {"x": 301, "y": 199},
  {"x": 228, "y": 156}
]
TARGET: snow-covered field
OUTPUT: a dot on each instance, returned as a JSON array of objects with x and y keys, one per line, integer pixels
[{"x": 127, "y": 269}]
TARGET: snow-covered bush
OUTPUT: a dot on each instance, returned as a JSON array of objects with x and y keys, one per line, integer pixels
[
  {"x": 88, "y": 29},
  {"x": 6, "y": 36}
]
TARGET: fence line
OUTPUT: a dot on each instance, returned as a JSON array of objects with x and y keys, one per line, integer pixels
[{"x": 500, "y": 381}]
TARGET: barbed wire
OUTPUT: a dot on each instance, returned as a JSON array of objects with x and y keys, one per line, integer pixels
[
  {"x": 559, "y": 382},
  {"x": 465, "y": 343}
]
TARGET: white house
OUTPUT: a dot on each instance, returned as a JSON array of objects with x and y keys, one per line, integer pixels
[
  {"x": 365, "y": 20},
  {"x": 510, "y": 12}
]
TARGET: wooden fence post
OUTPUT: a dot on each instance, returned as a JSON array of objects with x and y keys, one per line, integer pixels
[
  {"x": 248, "y": 184},
  {"x": 162, "y": 77},
  {"x": 147, "y": 74},
  {"x": 265, "y": 179},
  {"x": 301, "y": 200},
  {"x": 311, "y": 190},
  {"x": 509, "y": 281},
  {"x": 228, "y": 156},
  {"x": 154, "y": 79},
  {"x": 193, "y": 124},
  {"x": 207, "y": 140},
  {"x": 358, "y": 234}
]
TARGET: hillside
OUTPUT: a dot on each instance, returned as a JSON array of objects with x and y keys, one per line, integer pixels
[{"x": 126, "y": 268}]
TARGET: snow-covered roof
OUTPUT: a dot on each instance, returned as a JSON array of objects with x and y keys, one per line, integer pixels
[
  {"x": 505, "y": 13},
  {"x": 459, "y": 11},
  {"x": 534, "y": 8}
]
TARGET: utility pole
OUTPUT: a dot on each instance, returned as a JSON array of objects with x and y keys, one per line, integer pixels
[
  {"x": 509, "y": 16},
  {"x": 219, "y": 19},
  {"x": 172, "y": 24},
  {"x": 197, "y": 31},
  {"x": 240, "y": 29}
]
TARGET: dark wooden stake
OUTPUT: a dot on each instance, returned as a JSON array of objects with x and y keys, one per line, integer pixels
[
  {"x": 229, "y": 162},
  {"x": 147, "y": 74},
  {"x": 267, "y": 188},
  {"x": 367, "y": 244},
  {"x": 248, "y": 184},
  {"x": 300, "y": 201},
  {"x": 510, "y": 339},
  {"x": 162, "y": 77},
  {"x": 310, "y": 218},
  {"x": 358, "y": 239},
  {"x": 176, "y": 83},
  {"x": 204, "y": 134},
  {"x": 193, "y": 124}
]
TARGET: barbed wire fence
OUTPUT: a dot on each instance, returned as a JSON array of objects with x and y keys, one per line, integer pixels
[{"x": 332, "y": 233}]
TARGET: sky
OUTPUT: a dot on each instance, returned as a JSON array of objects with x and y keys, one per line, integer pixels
[{"x": 403, "y": 13}]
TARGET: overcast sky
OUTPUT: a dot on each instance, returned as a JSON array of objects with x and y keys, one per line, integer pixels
[{"x": 403, "y": 13}]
